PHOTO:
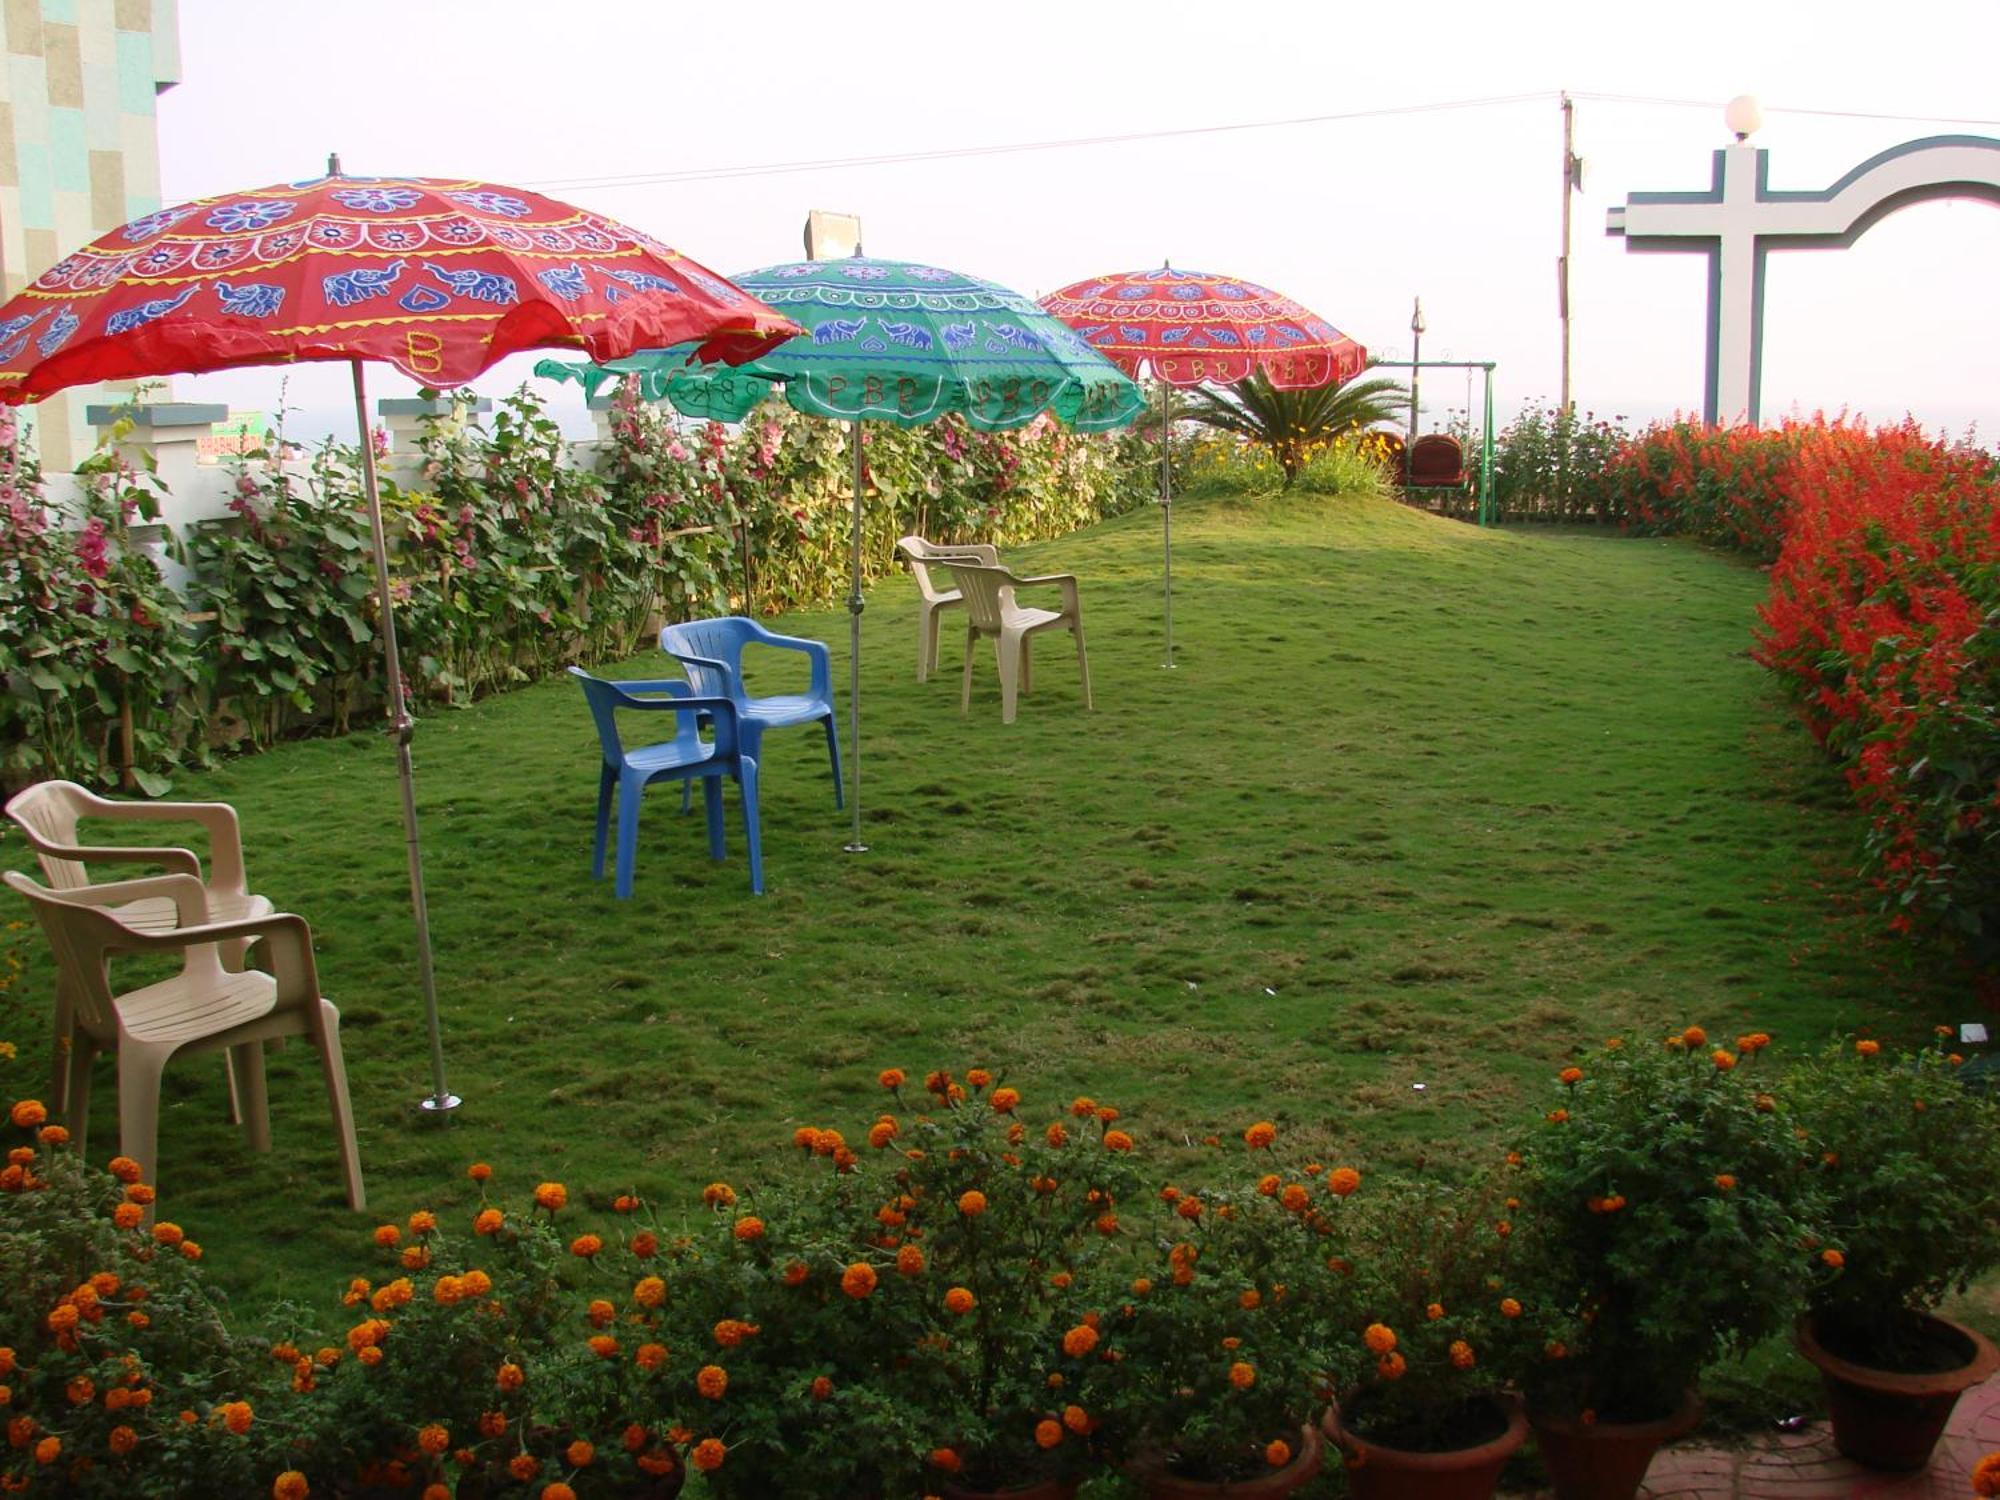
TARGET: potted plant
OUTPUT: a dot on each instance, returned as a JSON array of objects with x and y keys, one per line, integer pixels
[
  {"x": 1010, "y": 1217},
  {"x": 1208, "y": 1375},
  {"x": 1425, "y": 1366},
  {"x": 1668, "y": 1211},
  {"x": 1906, "y": 1162}
]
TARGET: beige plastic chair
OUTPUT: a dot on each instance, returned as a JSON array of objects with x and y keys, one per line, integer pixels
[
  {"x": 919, "y": 554},
  {"x": 990, "y": 610},
  {"x": 49, "y": 813},
  {"x": 204, "y": 1008}
]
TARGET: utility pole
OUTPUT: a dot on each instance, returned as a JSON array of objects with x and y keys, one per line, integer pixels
[
  {"x": 1572, "y": 171},
  {"x": 1416, "y": 365}
]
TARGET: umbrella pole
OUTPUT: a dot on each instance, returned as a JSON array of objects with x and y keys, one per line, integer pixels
[
  {"x": 401, "y": 728},
  {"x": 854, "y": 607},
  {"x": 1167, "y": 517}
]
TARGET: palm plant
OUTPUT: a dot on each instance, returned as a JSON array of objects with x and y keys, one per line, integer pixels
[{"x": 1292, "y": 423}]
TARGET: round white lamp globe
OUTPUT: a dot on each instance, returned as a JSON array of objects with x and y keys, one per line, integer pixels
[{"x": 1743, "y": 115}]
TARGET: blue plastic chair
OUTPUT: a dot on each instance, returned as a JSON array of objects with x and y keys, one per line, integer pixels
[
  {"x": 711, "y": 653},
  {"x": 685, "y": 758}
]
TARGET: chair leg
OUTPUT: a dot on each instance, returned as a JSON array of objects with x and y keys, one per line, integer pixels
[
  {"x": 139, "y": 1069},
  {"x": 711, "y": 796},
  {"x": 76, "y": 1101},
  {"x": 832, "y": 722},
  {"x": 235, "y": 1113},
  {"x": 1082, "y": 662},
  {"x": 246, "y": 1072},
  {"x": 927, "y": 624},
  {"x": 1027, "y": 664},
  {"x": 747, "y": 780},
  {"x": 327, "y": 1040},
  {"x": 965, "y": 688},
  {"x": 607, "y": 779},
  {"x": 62, "y": 1045},
  {"x": 629, "y": 791},
  {"x": 1009, "y": 646},
  {"x": 687, "y": 797}
]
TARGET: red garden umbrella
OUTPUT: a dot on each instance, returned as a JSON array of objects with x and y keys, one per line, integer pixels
[
  {"x": 441, "y": 278},
  {"x": 1191, "y": 327}
]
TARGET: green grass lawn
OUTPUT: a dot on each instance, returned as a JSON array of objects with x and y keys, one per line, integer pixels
[{"x": 1422, "y": 809}]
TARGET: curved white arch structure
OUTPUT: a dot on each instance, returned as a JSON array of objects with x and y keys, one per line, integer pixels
[{"x": 1741, "y": 219}]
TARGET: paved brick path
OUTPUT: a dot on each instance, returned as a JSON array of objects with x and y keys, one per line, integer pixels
[{"x": 1803, "y": 1465}]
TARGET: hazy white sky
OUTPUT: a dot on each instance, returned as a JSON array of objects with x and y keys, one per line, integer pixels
[{"x": 1353, "y": 217}]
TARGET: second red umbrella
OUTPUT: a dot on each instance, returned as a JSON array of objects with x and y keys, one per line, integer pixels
[{"x": 1191, "y": 327}]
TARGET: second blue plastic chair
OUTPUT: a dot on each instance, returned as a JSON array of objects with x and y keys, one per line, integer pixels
[
  {"x": 711, "y": 652},
  {"x": 685, "y": 758}
]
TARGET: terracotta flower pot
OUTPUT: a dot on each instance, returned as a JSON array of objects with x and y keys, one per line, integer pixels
[
  {"x": 1892, "y": 1421},
  {"x": 1157, "y": 1482},
  {"x": 1378, "y": 1472},
  {"x": 1047, "y": 1489},
  {"x": 1607, "y": 1460}
]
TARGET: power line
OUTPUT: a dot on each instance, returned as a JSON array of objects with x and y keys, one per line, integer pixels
[{"x": 1068, "y": 143}]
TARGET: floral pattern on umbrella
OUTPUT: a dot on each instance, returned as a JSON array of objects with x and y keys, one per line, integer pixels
[
  {"x": 439, "y": 278},
  {"x": 1192, "y": 327}
]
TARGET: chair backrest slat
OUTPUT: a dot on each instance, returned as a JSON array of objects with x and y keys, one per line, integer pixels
[
  {"x": 50, "y": 810},
  {"x": 81, "y": 937},
  {"x": 720, "y": 640},
  {"x": 988, "y": 593}
]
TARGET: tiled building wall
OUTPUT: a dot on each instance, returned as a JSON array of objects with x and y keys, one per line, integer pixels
[{"x": 79, "y": 147}]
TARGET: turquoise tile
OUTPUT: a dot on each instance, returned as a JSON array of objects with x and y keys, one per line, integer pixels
[
  {"x": 38, "y": 201},
  {"x": 62, "y": 12},
  {"x": 135, "y": 72},
  {"x": 69, "y": 151}
]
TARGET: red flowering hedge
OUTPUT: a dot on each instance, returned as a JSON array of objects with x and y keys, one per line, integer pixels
[{"x": 1885, "y": 545}]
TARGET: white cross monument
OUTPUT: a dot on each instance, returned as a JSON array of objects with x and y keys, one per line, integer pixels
[{"x": 1741, "y": 219}]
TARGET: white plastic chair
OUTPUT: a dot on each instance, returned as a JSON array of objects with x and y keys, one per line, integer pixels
[
  {"x": 918, "y": 553},
  {"x": 204, "y": 1008},
  {"x": 48, "y": 815},
  {"x": 990, "y": 610}
]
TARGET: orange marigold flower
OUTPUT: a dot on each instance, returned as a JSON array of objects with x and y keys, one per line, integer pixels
[
  {"x": 29, "y": 1113},
  {"x": 124, "y": 1169},
  {"x": 731, "y": 1332},
  {"x": 371, "y": 1356},
  {"x": 707, "y": 1455},
  {"x": 821, "y": 1388},
  {"x": 1079, "y": 1341},
  {"x": 600, "y": 1313},
  {"x": 625, "y": 1203},
  {"x": 487, "y": 1221},
  {"x": 795, "y": 1273},
  {"x": 1391, "y": 1366},
  {"x": 1557, "y": 1117},
  {"x": 1294, "y": 1197},
  {"x": 649, "y": 1291},
  {"x": 479, "y": 1171},
  {"x": 1570, "y": 1075},
  {"x": 712, "y": 1381},
  {"x": 1117, "y": 1140},
  {"x": 236, "y": 1416},
  {"x": 881, "y": 1133},
  {"x": 290, "y": 1485},
  {"x": 580, "y": 1454},
  {"x": 1379, "y": 1337},
  {"x": 890, "y": 1078},
  {"x": 557, "y": 1490},
  {"x": 414, "y": 1257},
  {"x": 972, "y": 1203},
  {"x": 978, "y": 1077},
  {"x": 645, "y": 1244},
  {"x": 1833, "y": 1258},
  {"x": 1267, "y": 1185},
  {"x": 387, "y": 1235},
  {"x": 127, "y": 1215},
  {"x": 749, "y": 1227},
  {"x": 1509, "y": 1308},
  {"x": 1005, "y": 1101},
  {"x": 170, "y": 1234},
  {"x": 1242, "y": 1375},
  {"x": 1260, "y": 1135},
  {"x": 511, "y": 1377},
  {"x": 1461, "y": 1355},
  {"x": 1055, "y": 1135},
  {"x": 1342, "y": 1181},
  {"x": 1694, "y": 1036},
  {"x": 1725, "y": 1182},
  {"x": 492, "y": 1424},
  {"x": 52, "y": 1135},
  {"x": 1722, "y": 1060},
  {"x": 551, "y": 1195},
  {"x": 423, "y": 1221},
  {"x": 1867, "y": 1047},
  {"x": 603, "y": 1345},
  {"x": 434, "y": 1439},
  {"x": 959, "y": 1300},
  {"x": 1986, "y": 1475},
  {"x": 804, "y": 1137},
  {"x": 585, "y": 1245},
  {"x": 524, "y": 1466},
  {"x": 945, "y": 1459},
  {"x": 1277, "y": 1453},
  {"x": 476, "y": 1282},
  {"x": 1048, "y": 1433},
  {"x": 719, "y": 1195},
  {"x": 858, "y": 1280},
  {"x": 650, "y": 1356},
  {"x": 1083, "y": 1107}
]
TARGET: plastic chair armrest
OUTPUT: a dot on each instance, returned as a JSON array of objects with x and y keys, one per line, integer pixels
[
  {"x": 288, "y": 941},
  {"x": 815, "y": 652},
  {"x": 189, "y": 897},
  {"x": 176, "y": 861},
  {"x": 225, "y": 836},
  {"x": 1066, "y": 582}
]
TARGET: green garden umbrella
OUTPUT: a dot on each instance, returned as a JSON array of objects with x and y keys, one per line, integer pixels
[{"x": 892, "y": 341}]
